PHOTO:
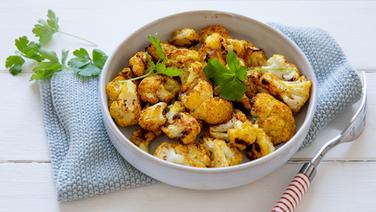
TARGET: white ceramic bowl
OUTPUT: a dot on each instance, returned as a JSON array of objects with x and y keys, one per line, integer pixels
[{"x": 263, "y": 36}]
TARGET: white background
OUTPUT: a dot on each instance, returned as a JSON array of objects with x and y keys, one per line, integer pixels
[{"x": 346, "y": 179}]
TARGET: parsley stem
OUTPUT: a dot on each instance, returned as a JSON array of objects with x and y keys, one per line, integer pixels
[{"x": 79, "y": 38}]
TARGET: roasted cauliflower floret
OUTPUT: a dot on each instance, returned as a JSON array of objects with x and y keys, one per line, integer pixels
[
  {"x": 126, "y": 109},
  {"x": 274, "y": 117},
  {"x": 173, "y": 109},
  {"x": 261, "y": 147},
  {"x": 158, "y": 88},
  {"x": 214, "y": 41},
  {"x": 202, "y": 105},
  {"x": 113, "y": 88},
  {"x": 185, "y": 37},
  {"x": 214, "y": 111},
  {"x": 254, "y": 57},
  {"x": 220, "y": 131},
  {"x": 201, "y": 92},
  {"x": 238, "y": 46},
  {"x": 138, "y": 63},
  {"x": 221, "y": 154},
  {"x": 293, "y": 93},
  {"x": 142, "y": 138},
  {"x": 181, "y": 57},
  {"x": 167, "y": 50},
  {"x": 152, "y": 118},
  {"x": 183, "y": 127},
  {"x": 191, "y": 74},
  {"x": 253, "y": 84},
  {"x": 191, "y": 155},
  {"x": 218, "y": 54},
  {"x": 205, "y": 32},
  {"x": 278, "y": 65}
]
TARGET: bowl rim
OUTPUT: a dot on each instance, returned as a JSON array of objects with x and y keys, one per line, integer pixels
[{"x": 305, "y": 125}]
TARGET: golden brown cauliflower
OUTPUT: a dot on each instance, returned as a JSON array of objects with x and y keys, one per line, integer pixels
[
  {"x": 185, "y": 37},
  {"x": 181, "y": 57},
  {"x": 218, "y": 54},
  {"x": 221, "y": 154},
  {"x": 182, "y": 126},
  {"x": 158, "y": 88},
  {"x": 254, "y": 56},
  {"x": 113, "y": 88},
  {"x": 214, "y": 41},
  {"x": 278, "y": 65},
  {"x": 261, "y": 147},
  {"x": 152, "y": 118},
  {"x": 274, "y": 117},
  {"x": 202, "y": 105},
  {"x": 238, "y": 46},
  {"x": 138, "y": 63},
  {"x": 167, "y": 50},
  {"x": 214, "y": 111},
  {"x": 142, "y": 138},
  {"x": 293, "y": 93},
  {"x": 126, "y": 109},
  {"x": 205, "y": 32},
  {"x": 190, "y": 155},
  {"x": 220, "y": 131},
  {"x": 191, "y": 74}
]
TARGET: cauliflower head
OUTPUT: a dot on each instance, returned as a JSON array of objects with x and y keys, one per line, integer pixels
[
  {"x": 183, "y": 127},
  {"x": 220, "y": 131},
  {"x": 221, "y": 154},
  {"x": 213, "y": 41},
  {"x": 238, "y": 46},
  {"x": 185, "y": 37},
  {"x": 294, "y": 93},
  {"x": 142, "y": 138},
  {"x": 261, "y": 147},
  {"x": 138, "y": 63},
  {"x": 166, "y": 47},
  {"x": 254, "y": 57},
  {"x": 113, "y": 88},
  {"x": 201, "y": 92},
  {"x": 191, "y": 74},
  {"x": 274, "y": 117},
  {"x": 205, "y": 32},
  {"x": 191, "y": 155},
  {"x": 214, "y": 110},
  {"x": 278, "y": 65},
  {"x": 152, "y": 118},
  {"x": 158, "y": 88},
  {"x": 182, "y": 57},
  {"x": 126, "y": 109}
]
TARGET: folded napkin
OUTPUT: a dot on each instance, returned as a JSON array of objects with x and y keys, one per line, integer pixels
[{"x": 85, "y": 163}]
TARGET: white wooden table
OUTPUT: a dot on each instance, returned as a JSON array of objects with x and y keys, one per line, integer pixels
[{"x": 346, "y": 179}]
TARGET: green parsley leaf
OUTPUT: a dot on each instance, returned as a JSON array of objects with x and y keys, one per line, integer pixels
[
  {"x": 14, "y": 63},
  {"x": 28, "y": 49},
  {"x": 99, "y": 58},
  {"x": 160, "y": 68},
  {"x": 232, "y": 89},
  {"x": 156, "y": 42},
  {"x": 230, "y": 80},
  {"x": 44, "y": 30},
  {"x": 85, "y": 66},
  {"x": 48, "y": 67}
]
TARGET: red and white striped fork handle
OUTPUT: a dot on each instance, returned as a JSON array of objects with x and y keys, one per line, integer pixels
[{"x": 294, "y": 193}]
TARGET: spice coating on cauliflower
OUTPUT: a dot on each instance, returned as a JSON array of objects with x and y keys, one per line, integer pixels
[
  {"x": 166, "y": 47},
  {"x": 127, "y": 108},
  {"x": 274, "y": 117},
  {"x": 293, "y": 93},
  {"x": 138, "y": 63},
  {"x": 185, "y": 37},
  {"x": 158, "y": 88},
  {"x": 191, "y": 74},
  {"x": 254, "y": 57},
  {"x": 152, "y": 118},
  {"x": 214, "y": 111},
  {"x": 238, "y": 46},
  {"x": 183, "y": 127},
  {"x": 220, "y": 131},
  {"x": 278, "y": 65},
  {"x": 205, "y": 32},
  {"x": 191, "y": 155},
  {"x": 142, "y": 138},
  {"x": 221, "y": 154},
  {"x": 182, "y": 57}
]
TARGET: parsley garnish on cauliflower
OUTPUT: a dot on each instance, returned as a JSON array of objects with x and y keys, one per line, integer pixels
[{"x": 213, "y": 97}]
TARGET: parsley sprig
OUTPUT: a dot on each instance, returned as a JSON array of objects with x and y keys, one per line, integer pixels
[
  {"x": 159, "y": 67},
  {"x": 45, "y": 29},
  {"x": 230, "y": 80},
  {"x": 47, "y": 63}
]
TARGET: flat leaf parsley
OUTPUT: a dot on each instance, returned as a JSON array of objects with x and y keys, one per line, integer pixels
[{"x": 230, "y": 80}]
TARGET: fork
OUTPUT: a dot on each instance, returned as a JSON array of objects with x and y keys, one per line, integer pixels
[{"x": 295, "y": 191}]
